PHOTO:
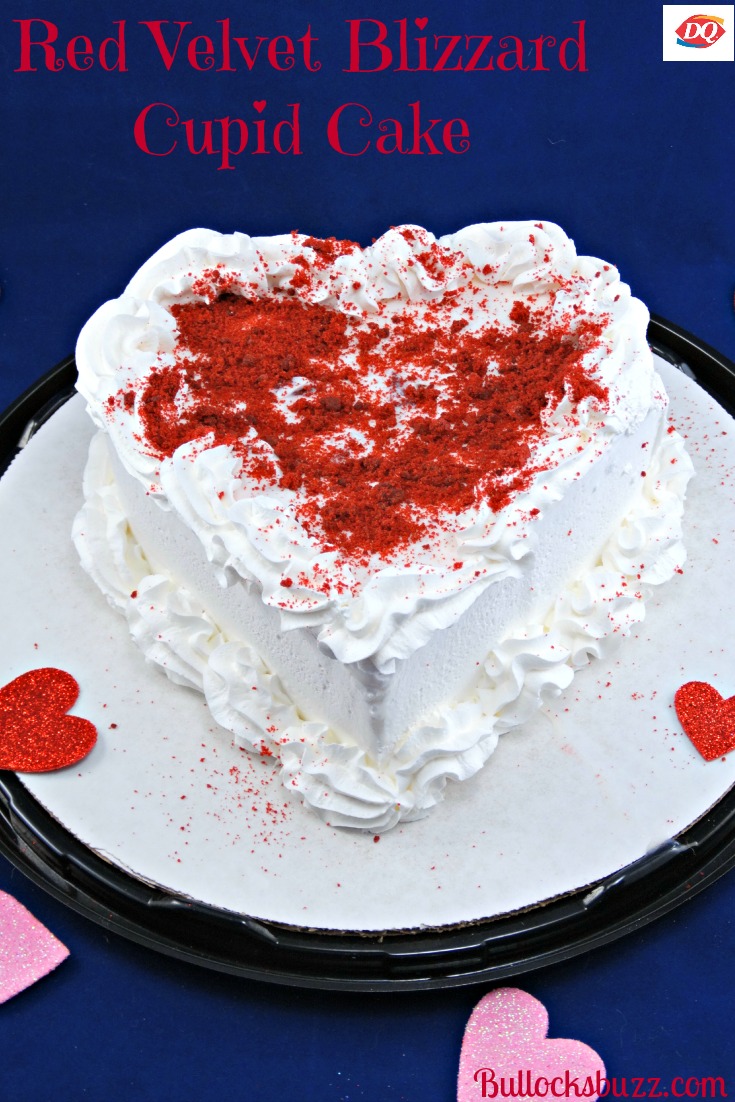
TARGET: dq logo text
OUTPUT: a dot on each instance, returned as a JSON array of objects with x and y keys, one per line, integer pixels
[{"x": 700, "y": 31}]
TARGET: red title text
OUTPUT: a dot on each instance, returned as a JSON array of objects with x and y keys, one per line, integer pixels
[{"x": 351, "y": 129}]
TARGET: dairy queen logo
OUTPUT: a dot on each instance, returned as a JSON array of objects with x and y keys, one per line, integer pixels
[{"x": 700, "y": 31}]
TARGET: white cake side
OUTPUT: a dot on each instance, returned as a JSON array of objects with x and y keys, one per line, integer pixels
[{"x": 377, "y": 709}]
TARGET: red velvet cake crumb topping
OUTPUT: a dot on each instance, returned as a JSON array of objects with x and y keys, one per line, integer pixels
[{"x": 385, "y": 427}]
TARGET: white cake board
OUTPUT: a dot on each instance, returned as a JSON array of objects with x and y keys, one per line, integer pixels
[{"x": 593, "y": 784}]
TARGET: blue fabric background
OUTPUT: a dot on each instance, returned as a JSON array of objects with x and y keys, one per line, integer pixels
[{"x": 635, "y": 159}]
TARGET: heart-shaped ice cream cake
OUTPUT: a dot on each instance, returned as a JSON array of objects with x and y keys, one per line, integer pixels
[{"x": 378, "y": 504}]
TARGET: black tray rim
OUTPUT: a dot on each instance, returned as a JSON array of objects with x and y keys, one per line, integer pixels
[{"x": 483, "y": 952}]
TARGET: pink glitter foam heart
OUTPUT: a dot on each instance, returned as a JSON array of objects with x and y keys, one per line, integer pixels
[
  {"x": 506, "y": 1052},
  {"x": 28, "y": 951}
]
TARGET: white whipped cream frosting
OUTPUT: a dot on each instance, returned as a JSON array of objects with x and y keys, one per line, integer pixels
[
  {"x": 388, "y": 612},
  {"x": 381, "y": 615}
]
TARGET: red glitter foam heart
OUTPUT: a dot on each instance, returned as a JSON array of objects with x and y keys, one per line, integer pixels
[
  {"x": 36, "y": 734},
  {"x": 707, "y": 718}
]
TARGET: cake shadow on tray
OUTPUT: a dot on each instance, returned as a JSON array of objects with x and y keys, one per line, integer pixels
[{"x": 603, "y": 778}]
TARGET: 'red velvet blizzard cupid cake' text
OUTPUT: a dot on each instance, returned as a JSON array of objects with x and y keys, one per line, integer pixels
[{"x": 377, "y": 504}]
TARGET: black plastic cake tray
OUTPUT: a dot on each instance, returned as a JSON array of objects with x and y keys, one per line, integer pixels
[{"x": 489, "y": 951}]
